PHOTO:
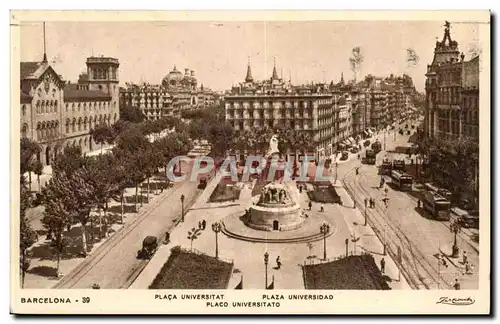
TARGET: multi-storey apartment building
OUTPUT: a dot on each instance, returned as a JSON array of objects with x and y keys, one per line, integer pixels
[
  {"x": 276, "y": 103},
  {"x": 177, "y": 92},
  {"x": 56, "y": 113},
  {"x": 452, "y": 92}
]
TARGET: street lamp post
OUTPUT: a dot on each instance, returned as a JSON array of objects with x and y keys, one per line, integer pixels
[
  {"x": 455, "y": 228},
  {"x": 336, "y": 170},
  {"x": 386, "y": 203},
  {"x": 324, "y": 229},
  {"x": 266, "y": 261},
  {"x": 216, "y": 227},
  {"x": 346, "y": 247},
  {"x": 182, "y": 206}
]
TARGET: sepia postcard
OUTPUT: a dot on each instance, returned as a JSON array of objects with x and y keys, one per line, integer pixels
[{"x": 250, "y": 162}]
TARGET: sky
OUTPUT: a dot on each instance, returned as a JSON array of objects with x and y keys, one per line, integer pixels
[{"x": 219, "y": 52}]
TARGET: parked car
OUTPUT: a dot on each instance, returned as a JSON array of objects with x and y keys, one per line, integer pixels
[
  {"x": 354, "y": 150},
  {"x": 465, "y": 204},
  {"x": 366, "y": 143},
  {"x": 345, "y": 156},
  {"x": 149, "y": 246}
]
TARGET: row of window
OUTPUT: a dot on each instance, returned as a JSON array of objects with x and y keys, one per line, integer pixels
[
  {"x": 44, "y": 107},
  {"x": 78, "y": 106}
]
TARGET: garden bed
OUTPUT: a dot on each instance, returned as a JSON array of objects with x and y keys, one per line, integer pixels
[
  {"x": 324, "y": 194},
  {"x": 187, "y": 270},
  {"x": 225, "y": 192},
  {"x": 358, "y": 272}
]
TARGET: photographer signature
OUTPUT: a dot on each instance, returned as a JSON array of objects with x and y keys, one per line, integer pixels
[{"x": 456, "y": 301}]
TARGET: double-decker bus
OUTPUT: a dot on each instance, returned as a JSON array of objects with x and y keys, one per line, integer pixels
[
  {"x": 401, "y": 180},
  {"x": 436, "y": 205},
  {"x": 370, "y": 157}
]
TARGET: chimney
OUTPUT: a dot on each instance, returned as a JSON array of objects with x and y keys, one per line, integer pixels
[
  {"x": 192, "y": 73},
  {"x": 186, "y": 71}
]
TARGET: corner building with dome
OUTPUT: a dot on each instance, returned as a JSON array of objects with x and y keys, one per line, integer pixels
[{"x": 177, "y": 91}]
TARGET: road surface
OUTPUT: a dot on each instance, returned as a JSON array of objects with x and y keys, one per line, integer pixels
[{"x": 114, "y": 265}]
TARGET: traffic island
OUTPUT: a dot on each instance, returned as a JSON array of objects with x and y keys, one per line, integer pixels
[
  {"x": 356, "y": 272},
  {"x": 224, "y": 192},
  {"x": 189, "y": 270}
]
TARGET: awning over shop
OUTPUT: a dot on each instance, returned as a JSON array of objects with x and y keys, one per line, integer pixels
[
  {"x": 346, "y": 142},
  {"x": 351, "y": 139},
  {"x": 366, "y": 133}
]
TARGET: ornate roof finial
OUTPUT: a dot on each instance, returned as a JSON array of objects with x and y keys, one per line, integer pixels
[
  {"x": 342, "y": 77},
  {"x": 275, "y": 73},
  {"x": 249, "y": 77},
  {"x": 44, "y": 45},
  {"x": 175, "y": 68}
]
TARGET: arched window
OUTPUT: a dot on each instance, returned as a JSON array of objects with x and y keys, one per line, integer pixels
[
  {"x": 24, "y": 130},
  {"x": 73, "y": 106},
  {"x": 55, "y": 106},
  {"x": 38, "y": 130},
  {"x": 114, "y": 118},
  {"x": 38, "y": 106},
  {"x": 67, "y": 126},
  {"x": 23, "y": 110},
  {"x": 73, "y": 125},
  {"x": 78, "y": 106},
  {"x": 85, "y": 123},
  {"x": 79, "y": 124},
  {"x": 85, "y": 142},
  {"x": 67, "y": 107},
  {"x": 42, "y": 107}
]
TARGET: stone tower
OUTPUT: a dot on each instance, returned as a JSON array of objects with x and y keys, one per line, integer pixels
[{"x": 103, "y": 76}]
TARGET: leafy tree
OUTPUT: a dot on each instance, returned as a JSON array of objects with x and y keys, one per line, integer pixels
[
  {"x": 76, "y": 194},
  {"x": 131, "y": 114},
  {"x": 103, "y": 133},
  {"x": 56, "y": 218},
  {"x": 26, "y": 233},
  {"x": 102, "y": 172},
  {"x": 29, "y": 152},
  {"x": 356, "y": 61},
  {"x": 69, "y": 160},
  {"x": 37, "y": 168}
]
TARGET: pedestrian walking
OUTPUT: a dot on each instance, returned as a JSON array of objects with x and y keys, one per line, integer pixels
[
  {"x": 300, "y": 189},
  {"x": 322, "y": 208},
  {"x": 167, "y": 238},
  {"x": 199, "y": 224},
  {"x": 366, "y": 202},
  {"x": 382, "y": 266},
  {"x": 464, "y": 258},
  {"x": 386, "y": 191},
  {"x": 456, "y": 285},
  {"x": 419, "y": 203},
  {"x": 310, "y": 205},
  {"x": 204, "y": 224},
  {"x": 357, "y": 170},
  {"x": 278, "y": 263}
]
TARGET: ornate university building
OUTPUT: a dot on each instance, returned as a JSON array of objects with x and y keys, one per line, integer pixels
[
  {"x": 56, "y": 113},
  {"x": 177, "y": 92},
  {"x": 452, "y": 92}
]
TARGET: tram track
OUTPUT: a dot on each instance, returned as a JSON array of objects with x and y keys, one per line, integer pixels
[{"x": 419, "y": 271}]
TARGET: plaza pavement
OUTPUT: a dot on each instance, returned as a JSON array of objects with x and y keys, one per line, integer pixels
[{"x": 248, "y": 257}]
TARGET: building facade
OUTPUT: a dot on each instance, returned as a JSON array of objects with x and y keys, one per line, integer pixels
[
  {"x": 452, "y": 93},
  {"x": 56, "y": 113},
  {"x": 175, "y": 93},
  {"x": 275, "y": 103}
]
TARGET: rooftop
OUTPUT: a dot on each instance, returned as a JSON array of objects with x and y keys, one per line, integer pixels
[{"x": 71, "y": 93}]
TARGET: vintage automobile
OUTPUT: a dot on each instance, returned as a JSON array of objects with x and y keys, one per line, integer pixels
[
  {"x": 366, "y": 143},
  {"x": 345, "y": 156},
  {"x": 149, "y": 246}
]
